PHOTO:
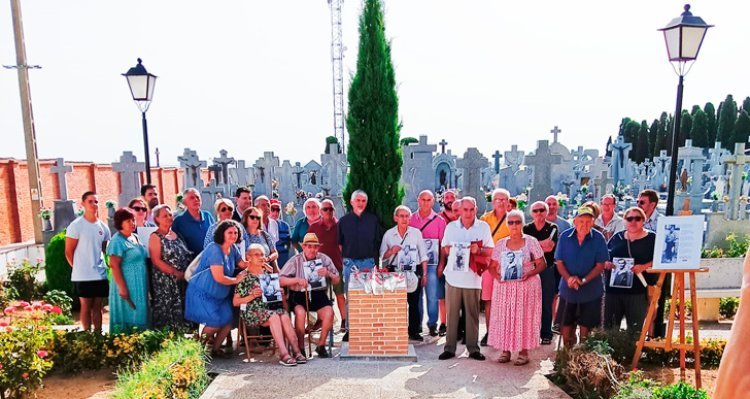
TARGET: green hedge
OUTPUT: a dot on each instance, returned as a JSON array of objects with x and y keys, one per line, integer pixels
[{"x": 57, "y": 269}]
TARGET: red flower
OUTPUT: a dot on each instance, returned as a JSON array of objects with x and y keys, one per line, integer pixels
[
  {"x": 3, "y": 323},
  {"x": 22, "y": 303},
  {"x": 28, "y": 308},
  {"x": 47, "y": 307},
  {"x": 9, "y": 310},
  {"x": 56, "y": 310},
  {"x": 25, "y": 376},
  {"x": 41, "y": 353}
]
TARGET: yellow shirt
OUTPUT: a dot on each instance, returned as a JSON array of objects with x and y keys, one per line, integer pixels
[{"x": 500, "y": 233}]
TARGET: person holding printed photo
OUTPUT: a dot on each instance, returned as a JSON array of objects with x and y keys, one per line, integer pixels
[{"x": 637, "y": 243}]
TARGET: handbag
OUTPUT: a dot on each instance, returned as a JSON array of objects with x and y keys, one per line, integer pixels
[
  {"x": 478, "y": 263},
  {"x": 192, "y": 267}
]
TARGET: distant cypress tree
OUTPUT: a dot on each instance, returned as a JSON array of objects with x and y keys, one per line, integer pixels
[
  {"x": 741, "y": 128},
  {"x": 711, "y": 118},
  {"x": 686, "y": 124},
  {"x": 623, "y": 124},
  {"x": 695, "y": 109},
  {"x": 642, "y": 149},
  {"x": 699, "y": 131},
  {"x": 374, "y": 154},
  {"x": 661, "y": 137},
  {"x": 727, "y": 118},
  {"x": 653, "y": 138},
  {"x": 746, "y": 104}
]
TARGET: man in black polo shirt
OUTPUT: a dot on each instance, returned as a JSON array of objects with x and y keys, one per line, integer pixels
[{"x": 359, "y": 236}]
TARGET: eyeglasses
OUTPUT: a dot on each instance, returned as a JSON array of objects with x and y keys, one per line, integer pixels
[
  {"x": 253, "y": 217},
  {"x": 224, "y": 209},
  {"x": 326, "y": 209},
  {"x": 513, "y": 222},
  {"x": 275, "y": 210},
  {"x": 642, "y": 202},
  {"x": 634, "y": 219},
  {"x": 538, "y": 210},
  {"x": 139, "y": 209}
]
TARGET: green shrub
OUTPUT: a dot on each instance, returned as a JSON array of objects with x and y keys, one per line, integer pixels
[
  {"x": 621, "y": 343},
  {"x": 64, "y": 302},
  {"x": 711, "y": 351},
  {"x": 21, "y": 284},
  {"x": 57, "y": 269},
  {"x": 177, "y": 371},
  {"x": 636, "y": 387},
  {"x": 728, "y": 307},
  {"x": 736, "y": 248},
  {"x": 680, "y": 390}
]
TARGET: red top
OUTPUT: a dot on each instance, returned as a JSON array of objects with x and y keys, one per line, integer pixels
[{"x": 328, "y": 237}]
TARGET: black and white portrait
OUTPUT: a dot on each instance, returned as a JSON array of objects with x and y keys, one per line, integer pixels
[
  {"x": 314, "y": 279},
  {"x": 622, "y": 274},
  {"x": 511, "y": 265},
  {"x": 458, "y": 259},
  {"x": 407, "y": 258},
  {"x": 432, "y": 247},
  {"x": 671, "y": 244},
  {"x": 269, "y": 284}
]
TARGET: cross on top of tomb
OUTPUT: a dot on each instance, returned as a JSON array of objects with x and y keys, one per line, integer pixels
[
  {"x": 443, "y": 143},
  {"x": 555, "y": 132},
  {"x": 60, "y": 169}
]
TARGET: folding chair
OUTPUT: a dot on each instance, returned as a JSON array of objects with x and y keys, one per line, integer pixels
[
  {"x": 309, "y": 334},
  {"x": 253, "y": 336}
]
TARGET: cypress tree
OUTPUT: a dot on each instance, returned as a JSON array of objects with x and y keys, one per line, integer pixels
[
  {"x": 746, "y": 104},
  {"x": 623, "y": 123},
  {"x": 686, "y": 125},
  {"x": 661, "y": 137},
  {"x": 631, "y": 136},
  {"x": 374, "y": 155},
  {"x": 741, "y": 128},
  {"x": 727, "y": 119},
  {"x": 711, "y": 117},
  {"x": 642, "y": 150},
  {"x": 699, "y": 131},
  {"x": 653, "y": 138},
  {"x": 695, "y": 109}
]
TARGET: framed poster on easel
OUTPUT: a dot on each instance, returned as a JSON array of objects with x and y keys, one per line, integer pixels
[{"x": 679, "y": 240}]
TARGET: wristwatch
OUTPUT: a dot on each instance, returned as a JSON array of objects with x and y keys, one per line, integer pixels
[{"x": 583, "y": 280}]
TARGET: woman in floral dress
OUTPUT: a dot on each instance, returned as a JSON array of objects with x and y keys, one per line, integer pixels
[
  {"x": 248, "y": 296},
  {"x": 170, "y": 258},
  {"x": 516, "y": 305}
]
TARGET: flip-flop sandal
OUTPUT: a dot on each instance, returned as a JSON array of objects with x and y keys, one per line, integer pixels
[
  {"x": 288, "y": 361},
  {"x": 301, "y": 359},
  {"x": 546, "y": 341},
  {"x": 504, "y": 358},
  {"x": 521, "y": 360}
]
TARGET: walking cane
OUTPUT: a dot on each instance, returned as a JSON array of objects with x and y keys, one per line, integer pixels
[{"x": 307, "y": 314}]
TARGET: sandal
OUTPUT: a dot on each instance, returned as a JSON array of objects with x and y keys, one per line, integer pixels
[
  {"x": 301, "y": 359},
  {"x": 521, "y": 360},
  {"x": 288, "y": 361},
  {"x": 546, "y": 341},
  {"x": 504, "y": 358}
]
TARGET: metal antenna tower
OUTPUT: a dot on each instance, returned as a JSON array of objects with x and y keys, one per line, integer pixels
[{"x": 337, "y": 61}]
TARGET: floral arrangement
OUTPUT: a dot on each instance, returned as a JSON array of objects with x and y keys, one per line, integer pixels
[
  {"x": 522, "y": 200},
  {"x": 110, "y": 204},
  {"x": 45, "y": 214},
  {"x": 289, "y": 209}
]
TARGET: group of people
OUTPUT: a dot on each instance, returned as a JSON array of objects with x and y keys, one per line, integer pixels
[{"x": 229, "y": 257}]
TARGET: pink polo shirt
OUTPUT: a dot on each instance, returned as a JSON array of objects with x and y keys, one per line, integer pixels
[{"x": 434, "y": 230}]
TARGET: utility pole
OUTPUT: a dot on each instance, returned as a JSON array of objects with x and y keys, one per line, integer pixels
[{"x": 35, "y": 184}]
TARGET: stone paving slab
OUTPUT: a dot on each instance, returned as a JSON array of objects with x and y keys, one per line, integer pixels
[{"x": 429, "y": 377}]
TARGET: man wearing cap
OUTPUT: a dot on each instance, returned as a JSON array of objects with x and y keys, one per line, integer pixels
[
  {"x": 283, "y": 244},
  {"x": 301, "y": 300},
  {"x": 580, "y": 256}
]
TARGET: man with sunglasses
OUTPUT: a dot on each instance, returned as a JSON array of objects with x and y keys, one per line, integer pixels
[
  {"x": 609, "y": 222},
  {"x": 648, "y": 199},
  {"x": 326, "y": 229}
]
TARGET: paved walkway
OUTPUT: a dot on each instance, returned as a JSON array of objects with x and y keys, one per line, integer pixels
[{"x": 429, "y": 377}]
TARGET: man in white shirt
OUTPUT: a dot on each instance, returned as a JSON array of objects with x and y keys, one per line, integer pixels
[
  {"x": 269, "y": 225},
  {"x": 464, "y": 285},
  {"x": 609, "y": 221}
]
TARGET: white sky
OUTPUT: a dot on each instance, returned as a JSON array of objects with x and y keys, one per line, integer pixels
[{"x": 255, "y": 76}]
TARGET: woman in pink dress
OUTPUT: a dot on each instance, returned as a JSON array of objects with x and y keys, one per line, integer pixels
[{"x": 517, "y": 292}]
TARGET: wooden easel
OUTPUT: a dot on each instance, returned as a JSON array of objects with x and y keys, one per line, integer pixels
[{"x": 667, "y": 345}]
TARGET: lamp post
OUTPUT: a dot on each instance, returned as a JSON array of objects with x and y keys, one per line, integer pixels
[
  {"x": 683, "y": 37},
  {"x": 141, "y": 85}
]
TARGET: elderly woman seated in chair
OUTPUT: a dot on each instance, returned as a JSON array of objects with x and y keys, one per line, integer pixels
[
  {"x": 255, "y": 312},
  {"x": 306, "y": 273}
]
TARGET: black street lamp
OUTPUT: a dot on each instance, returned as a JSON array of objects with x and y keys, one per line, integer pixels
[
  {"x": 683, "y": 37},
  {"x": 141, "y": 85}
]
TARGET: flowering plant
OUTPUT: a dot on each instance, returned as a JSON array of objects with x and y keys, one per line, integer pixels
[
  {"x": 25, "y": 332},
  {"x": 45, "y": 214},
  {"x": 21, "y": 283},
  {"x": 110, "y": 204},
  {"x": 289, "y": 209}
]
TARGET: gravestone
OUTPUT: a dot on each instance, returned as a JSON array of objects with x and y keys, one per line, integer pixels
[
  {"x": 210, "y": 194},
  {"x": 416, "y": 173},
  {"x": 444, "y": 167},
  {"x": 265, "y": 172},
  {"x": 735, "y": 164},
  {"x": 130, "y": 177},
  {"x": 223, "y": 163},
  {"x": 442, "y": 143},
  {"x": 287, "y": 188},
  {"x": 214, "y": 173},
  {"x": 555, "y": 132},
  {"x": 621, "y": 165},
  {"x": 496, "y": 156},
  {"x": 602, "y": 184},
  {"x": 241, "y": 175},
  {"x": 513, "y": 177},
  {"x": 64, "y": 210},
  {"x": 542, "y": 162},
  {"x": 716, "y": 156},
  {"x": 692, "y": 161},
  {"x": 311, "y": 178},
  {"x": 472, "y": 164},
  {"x": 192, "y": 165},
  {"x": 514, "y": 158},
  {"x": 334, "y": 170},
  {"x": 661, "y": 171}
]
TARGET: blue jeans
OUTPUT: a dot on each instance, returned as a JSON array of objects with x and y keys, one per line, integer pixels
[
  {"x": 364, "y": 265},
  {"x": 431, "y": 291}
]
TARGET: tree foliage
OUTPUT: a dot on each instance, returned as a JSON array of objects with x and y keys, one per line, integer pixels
[
  {"x": 741, "y": 128},
  {"x": 653, "y": 138},
  {"x": 711, "y": 119},
  {"x": 699, "y": 130},
  {"x": 374, "y": 155},
  {"x": 686, "y": 124},
  {"x": 727, "y": 119},
  {"x": 642, "y": 150}
]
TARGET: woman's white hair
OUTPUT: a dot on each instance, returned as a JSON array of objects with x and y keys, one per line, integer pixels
[
  {"x": 257, "y": 247},
  {"x": 517, "y": 213}
]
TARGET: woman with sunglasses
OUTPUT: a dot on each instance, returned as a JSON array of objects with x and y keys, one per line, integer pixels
[
  {"x": 252, "y": 221},
  {"x": 634, "y": 243},
  {"x": 138, "y": 205},
  {"x": 517, "y": 304},
  {"x": 170, "y": 257},
  {"x": 224, "y": 210}
]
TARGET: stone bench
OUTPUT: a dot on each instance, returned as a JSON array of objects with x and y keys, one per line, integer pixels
[{"x": 724, "y": 279}]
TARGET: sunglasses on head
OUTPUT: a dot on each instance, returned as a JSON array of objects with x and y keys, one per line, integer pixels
[
  {"x": 253, "y": 217},
  {"x": 326, "y": 209},
  {"x": 513, "y": 222},
  {"x": 538, "y": 210},
  {"x": 139, "y": 209},
  {"x": 633, "y": 218}
]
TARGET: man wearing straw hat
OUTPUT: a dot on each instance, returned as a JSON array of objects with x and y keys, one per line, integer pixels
[{"x": 302, "y": 298}]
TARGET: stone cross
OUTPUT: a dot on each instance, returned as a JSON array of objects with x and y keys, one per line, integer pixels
[
  {"x": 214, "y": 173},
  {"x": 242, "y": 174},
  {"x": 735, "y": 164},
  {"x": 542, "y": 161},
  {"x": 297, "y": 172},
  {"x": 157, "y": 153},
  {"x": 514, "y": 158},
  {"x": 334, "y": 167},
  {"x": 443, "y": 143},
  {"x": 497, "y": 157},
  {"x": 555, "y": 132},
  {"x": 60, "y": 169},
  {"x": 210, "y": 194},
  {"x": 130, "y": 177},
  {"x": 620, "y": 151},
  {"x": 715, "y": 159},
  {"x": 472, "y": 164},
  {"x": 693, "y": 161},
  {"x": 223, "y": 161},
  {"x": 601, "y": 183},
  {"x": 266, "y": 173},
  {"x": 661, "y": 169},
  {"x": 192, "y": 165}
]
